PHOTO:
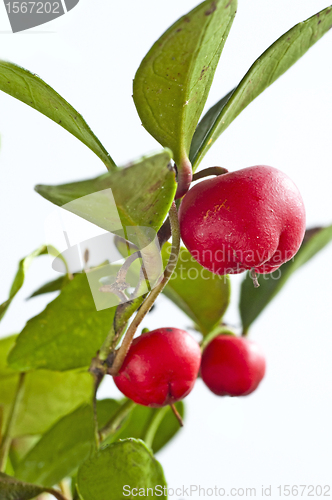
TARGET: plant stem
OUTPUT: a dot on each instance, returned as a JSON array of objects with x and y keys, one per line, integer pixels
[
  {"x": 149, "y": 301},
  {"x": 209, "y": 171},
  {"x": 254, "y": 277},
  {"x": 154, "y": 423},
  {"x": 112, "y": 426},
  {"x": 164, "y": 232},
  {"x": 105, "y": 348},
  {"x": 55, "y": 493},
  {"x": 122, "y": 316},
  {"x": 125, "y": 311},
  {"x": 177, "y": 414},
  {"x": 6, "y": 440},
  {"x": 185, "y": 176}
]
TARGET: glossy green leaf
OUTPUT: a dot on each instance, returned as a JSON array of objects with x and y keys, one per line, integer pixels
[
  {"x": 66, "y": 335},
  {"x": 12, "y": 489},
  {"x": 30, "y": 89},
  {"x": 52, "y": 286},
  {"x": 138, "y": 195},
  {"x": 273, "y": 63},
  {"x": 202, "y": 295},
  {"x": 172, "y": 83},
  {"x": 155, "y": 426},
  {"x": 125, "y": 463},
  {"x": 61, "y": 450},
  {"x": 23, "y": 266},
  {"x": 201, "y": 136},
  {"x": 254, "y": 300},
  {"x": 47, "y": 395}
]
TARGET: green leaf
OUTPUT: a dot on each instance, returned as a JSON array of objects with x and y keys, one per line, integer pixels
[
  {"x": 168, "y": 427},
  {"x": 218, "y": 330},
  {"x": 61, "y": 450},
  {"x": 156, "y": 426},
  {"x": 30, "y": 89},
  {"x": 172, "y": 83},
  {"x": 202, "y": 295},
  {"x": 66, "y": 335},
  {"x": 138, "y": 195},
  {"x": 106, "y": 408},
  {"x": 254, "y": 300},
  {"x": 6, "y": 345},
  {"x": 137, "y": 423},
  {"x": 52, "y": 286},
  {"x": 126, "y": 463},
  {"x": 47, "y": 395},
  {"x": 12, "y": 489},
  {"x": 273, "y": 63},
  {"x": 20, "y": 446},
  {"x": 23, "y": 266},
  {"x": 201, "y": 136}
]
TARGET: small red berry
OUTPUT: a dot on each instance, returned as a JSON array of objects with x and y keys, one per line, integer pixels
[
  {"x": 232, "y": 366},
  {"x": 253, "y": 218},
  {"x": 160, "y": 368}
]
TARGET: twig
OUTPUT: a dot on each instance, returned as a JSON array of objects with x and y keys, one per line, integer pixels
[
  {"x": 149, "y": 301},
  {"x": 117, "y": 287},
  {"x": 120, "y": 285},
  {"x": 184, "y": 177},
  {"x": 55, "y": 493}
]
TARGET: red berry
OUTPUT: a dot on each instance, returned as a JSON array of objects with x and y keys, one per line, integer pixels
[
  {"x": 160, "y": 368},
  {"x": 232, "y": 366},
  {"x": 251, "y": 218}
]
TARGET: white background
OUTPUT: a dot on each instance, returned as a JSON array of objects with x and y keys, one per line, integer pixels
[{"x": 282, "y": 433}]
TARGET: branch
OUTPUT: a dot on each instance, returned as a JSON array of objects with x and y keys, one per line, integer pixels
[
  {"x": 149, "y": 301},
  {"x": 184, "y": 177}
]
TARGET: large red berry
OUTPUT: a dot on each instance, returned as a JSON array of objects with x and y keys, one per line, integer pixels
[
  {"x": 232, "y": 366},
  {"x": 253, "y": 218},
  {"x": 160, "y": 368}
]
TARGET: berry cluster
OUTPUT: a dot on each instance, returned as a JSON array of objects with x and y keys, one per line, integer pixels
[
  {"x": 162, "y": 366},
  {"x": 251, "y": 219}
]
